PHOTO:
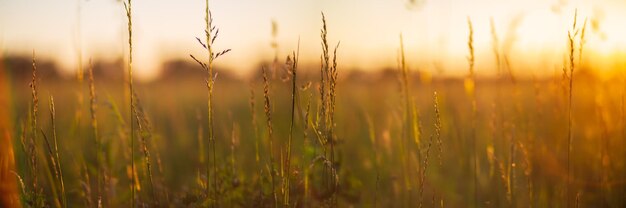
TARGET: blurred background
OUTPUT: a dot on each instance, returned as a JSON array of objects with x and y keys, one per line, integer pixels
[{"x": 435, "y": 32}]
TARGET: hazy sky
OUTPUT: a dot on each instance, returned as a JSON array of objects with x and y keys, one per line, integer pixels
[{"x": 435, "y": 31}]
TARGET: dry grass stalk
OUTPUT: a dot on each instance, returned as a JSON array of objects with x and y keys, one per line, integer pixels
[
  {"x": 470, "y": 46},
  {"x": 331, "y": 134},
  {"x": 234, "y": 141},
  {"x": 324, "y": 126},
  {"x": 209, "y": 83},
  {"x": 274, "y": 44},
  {"x": 80, "y": 72},
  {"x": 56, "y": 152},
  {"x": 128, "y": 9},
  {"x": 374, "y": 142},
  {"x": 511, "y": 168},
  {"x": 470, "y": 90},
  {"x": 84, "y": 184},
  {"x": 145, "y": 134},
  {"x": 528, "y": 169},
  {"x": 404, "y": 153},
  {"x": 268, "y": 116},
  {"x": 411, "y": 115},
  {"x": 305, "y": 137},
  {"x": 328, "y": 82},
  {"x": 497, "y": 117},
  {"x": 324, "y": 73},
  {"x": 52, "y": 181},
  {"x": 496, "y": 46},
  {"x": 200, "y": 134},
  {"x": 211, "y": 33},
  {"x": 571, "y": 35},
  {"x": 255, "y": 127},
  {"x": 32, "y": 149},
  {"x": 293, "y": 69},
  {"x": 582, "y": 43},
  {"x": 437, "y": 138},
  {"x": 438, "y": 128},
  {"x": 93, "y": 107}
]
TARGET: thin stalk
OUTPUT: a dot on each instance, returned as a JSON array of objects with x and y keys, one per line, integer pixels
[
  {"x": 144, "y": 135},
  {"x": 94, "y": 125},
  {"x": 33, "y": 137},
  {"x": 252, "y": 102},
  {"x": 56, "y": 151},
  {"x": 570, "y": 38},
  {"x": 80, "y": 75},
  {"x": 211, "y": 33},
  {"x": 436, "y": 137},
  {"x": 210, "y": 81},
  {"x": 48, "y": 172},
  {"x": 128, "y": 8},
  {"x": 268, "y": 114},
  {"x": 200, "y": 135},
  {"x": 470, "y": 88},
  {"x": 291, "y": 127},
  {"x": 305, "y": 147},
  {"x": 327, "y": 108},
  {"x": 407, "y": 113}
]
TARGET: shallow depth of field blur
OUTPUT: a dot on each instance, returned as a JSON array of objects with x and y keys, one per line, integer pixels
[{"x": 402, "y": 103}]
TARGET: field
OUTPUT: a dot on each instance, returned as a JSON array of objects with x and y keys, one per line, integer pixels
[{"x": 296, "y": 135}]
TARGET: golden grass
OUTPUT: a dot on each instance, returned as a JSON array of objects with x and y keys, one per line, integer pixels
[
  {"x": 128, "y": 9},
  {"x": 57, "y": 158},
  {"x": 433, "y": 138},
  {"x": 144, "y": 135},
  {"x": 470, "y": 88},
  {"x": 306, "y": 147},
  {"x": 268, "y": 117},
  {"x": 408, "y": 122},
  {"x": 333, "y": 165},
  {"x": 211, "y": 33},
  {"x": 570, "y": 37},
  {"x": 324, "y": 126},
  {"x": 93, "y": 107},
  {"x": 32, "y": 149},
  {"x": 293, "y": 69},
  {"x": 252, "y": 102}
]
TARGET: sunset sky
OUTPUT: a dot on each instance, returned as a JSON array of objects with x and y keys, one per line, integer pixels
[{"x": 435, "y": 31}]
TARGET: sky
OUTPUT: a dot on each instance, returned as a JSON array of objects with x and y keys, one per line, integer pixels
[{"x": 434, "y": 31}]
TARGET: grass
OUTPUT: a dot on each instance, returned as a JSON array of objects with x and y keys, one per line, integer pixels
[
  {"x": 57, "y": 159},
  {"x": 408, "y": 122},
  {"x": 144, "y": 136},
  {"x": 325, "y": 124},
  {"x": 433, "y": 138},
  {"x": 268, "y": 119},
  {"x": 294, "y": 70},
  {"x": 211, "y": 33},
  {"x": 324, "y": 137},
  {"x": 470, "y": 86},
  {"x": 93, "y": 107},
  {"x": 571, "y": 36},
  {"x": 128, "y": 9},
  {"x": 35, "y": 195}
]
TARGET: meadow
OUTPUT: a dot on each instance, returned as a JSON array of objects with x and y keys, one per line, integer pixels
[{"x": 295, "y": 135}]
